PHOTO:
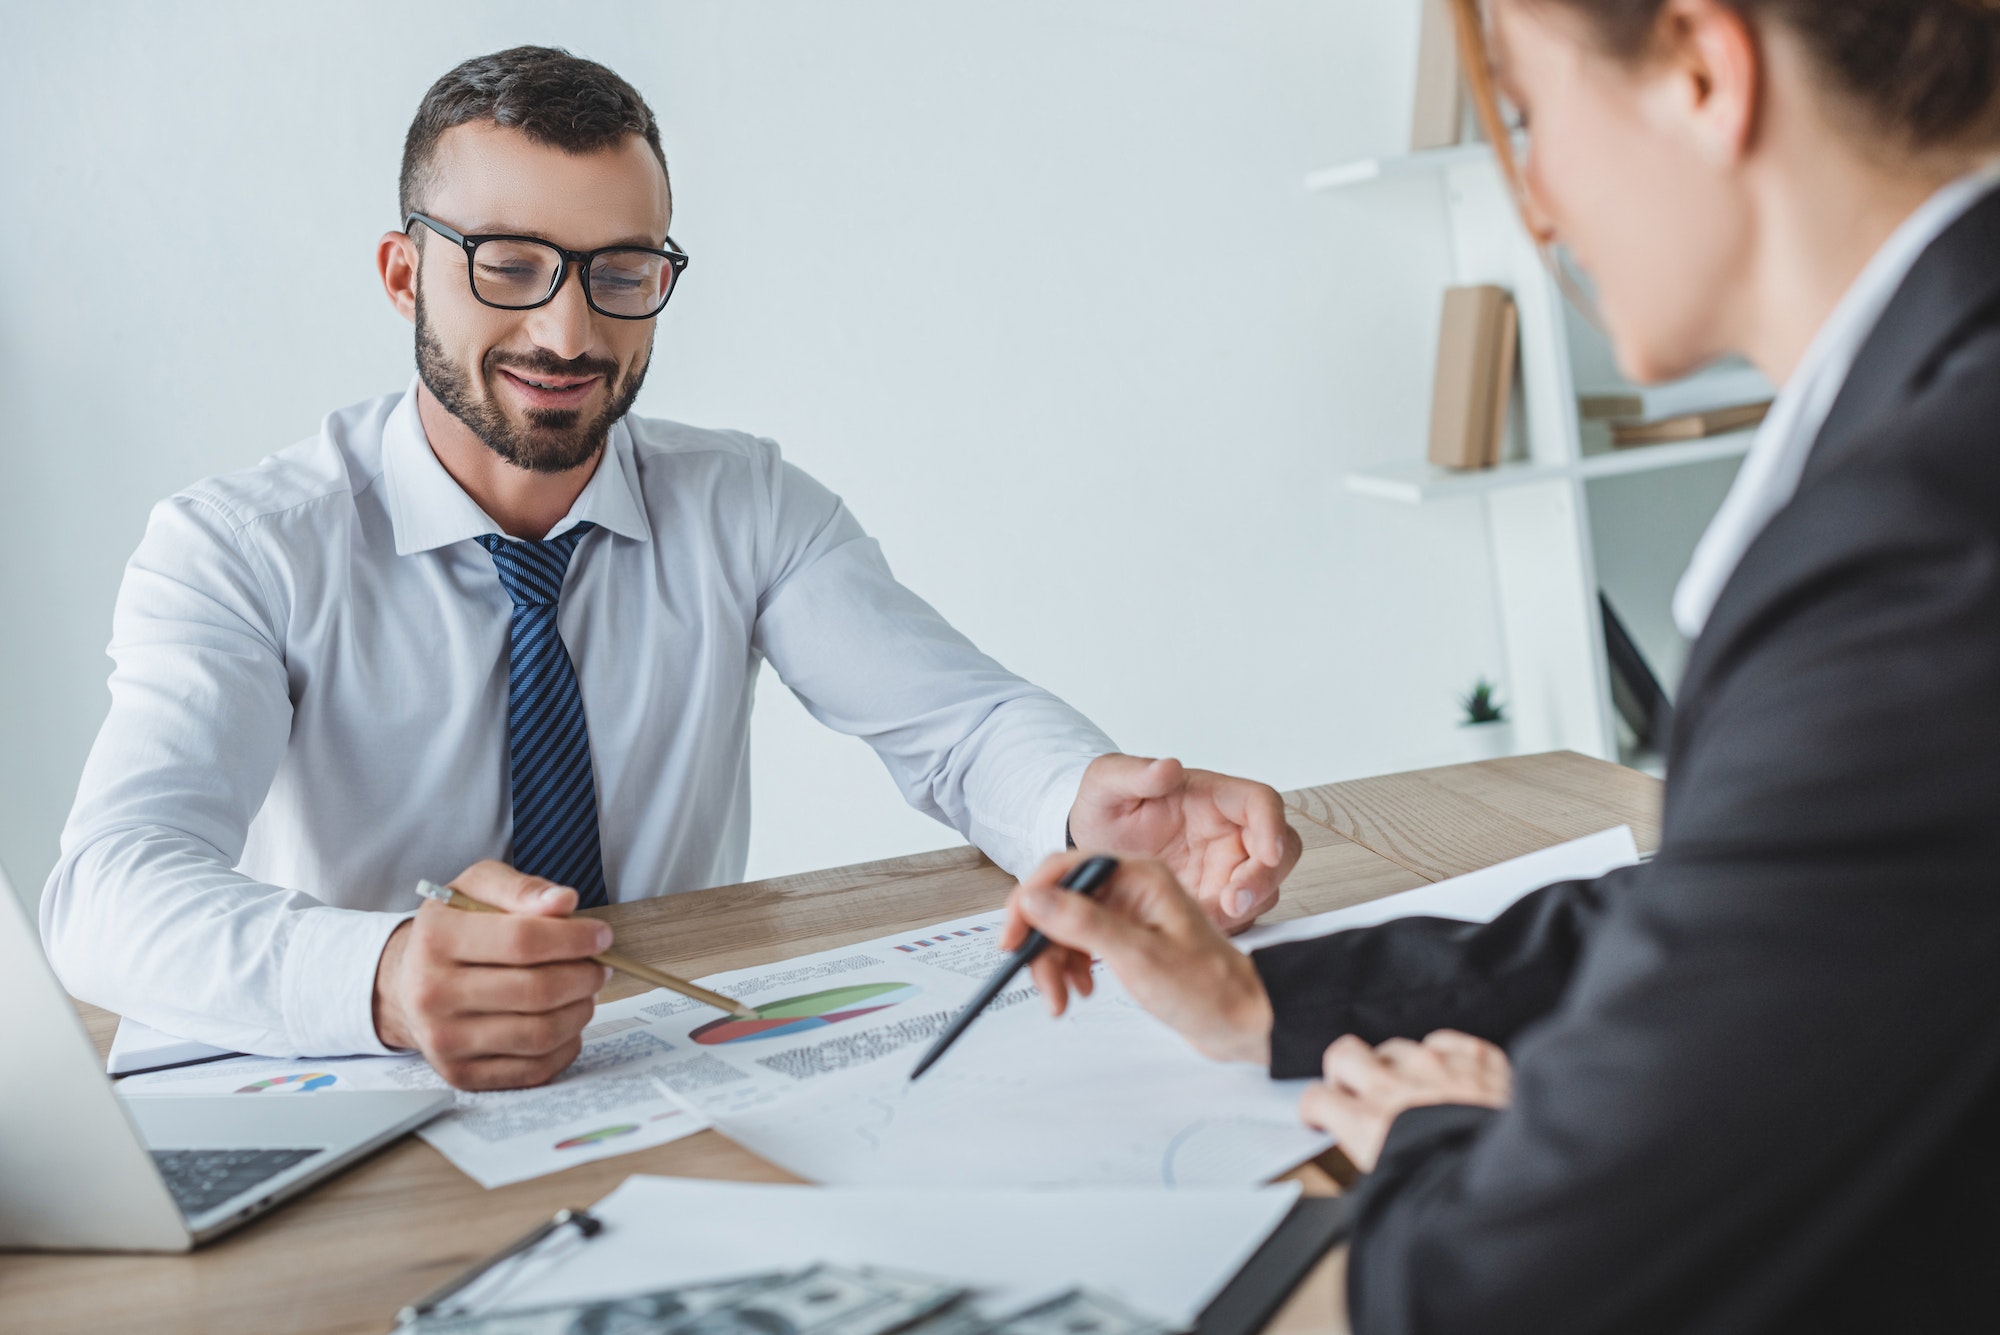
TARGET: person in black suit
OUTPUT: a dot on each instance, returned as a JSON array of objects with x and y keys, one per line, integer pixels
[{"x": 1754, "y": 1084}]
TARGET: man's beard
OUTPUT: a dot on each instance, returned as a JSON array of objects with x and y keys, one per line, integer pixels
[{"x": 555, "y": 440}]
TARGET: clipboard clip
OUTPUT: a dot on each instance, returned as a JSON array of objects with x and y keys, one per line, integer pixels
[{"x": 586, "y": 1224}]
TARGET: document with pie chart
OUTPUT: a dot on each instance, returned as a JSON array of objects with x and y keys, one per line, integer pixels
[{"x": 819, "y": 1081}]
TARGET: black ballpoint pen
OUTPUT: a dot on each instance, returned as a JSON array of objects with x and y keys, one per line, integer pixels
[{"x": 1086, "y": 878}]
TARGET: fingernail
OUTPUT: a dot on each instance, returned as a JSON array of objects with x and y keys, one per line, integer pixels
[
  {"x": 603, "y": 937},
  {"x": 607, "y": 975},
  {"x": 1038, "y": 898},
  {"x": 552, "y": 893},
  {"x": 1240, "y": 905}
]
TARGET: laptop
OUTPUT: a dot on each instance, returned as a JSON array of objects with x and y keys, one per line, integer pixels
[{"x": 82, "y": 1169}]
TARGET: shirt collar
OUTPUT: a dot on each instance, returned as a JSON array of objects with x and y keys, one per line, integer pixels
[
  {"x": 1777, "y": 459},
  {"x": 428, "y": 509}
]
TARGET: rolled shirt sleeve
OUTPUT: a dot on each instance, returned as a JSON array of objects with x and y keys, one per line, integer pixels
[
  {"x": 967, "y": 742},
  {"x": 145, "y": 913}
]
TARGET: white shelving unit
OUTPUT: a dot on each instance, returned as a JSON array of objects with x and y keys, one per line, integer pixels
[
  {"x": 1417, "y": 482},
  {"x": 1538, "y": 505}
]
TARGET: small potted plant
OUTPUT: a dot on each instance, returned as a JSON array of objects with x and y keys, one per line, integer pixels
[{"x": 1489, "y": 733}]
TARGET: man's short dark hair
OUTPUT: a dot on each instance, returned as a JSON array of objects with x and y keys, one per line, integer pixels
[{"x": 548, "y": 94}]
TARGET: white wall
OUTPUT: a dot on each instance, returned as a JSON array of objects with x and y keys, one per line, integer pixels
[{"x": 1033, "y": 284}]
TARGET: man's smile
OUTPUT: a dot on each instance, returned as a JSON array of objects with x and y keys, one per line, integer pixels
[{"x": 543, "y": 390}]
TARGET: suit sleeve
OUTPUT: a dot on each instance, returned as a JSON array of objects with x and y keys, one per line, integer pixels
[
  {"x": 1764, "y": 1028},
  {"x": 1408, "y": 977}
]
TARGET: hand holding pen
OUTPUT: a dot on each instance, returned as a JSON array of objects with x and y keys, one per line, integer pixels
[
  {"x": 1163, "y": 949},
  {"x": 610, "y": 959},
  {"x": 1082, "y": 880},
  {"x": 492, "y": 1000}
]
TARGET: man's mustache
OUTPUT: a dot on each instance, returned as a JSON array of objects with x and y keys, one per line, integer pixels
[{"x": 549, "y": 364}]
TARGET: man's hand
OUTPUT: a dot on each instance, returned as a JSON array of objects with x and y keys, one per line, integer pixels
[
  {"x": 1169, "y": 956},
  {"x": 1367, "y": 1088},
  {"x": 493, "y": 1001},
  {"x": 1225, "y": 838}
]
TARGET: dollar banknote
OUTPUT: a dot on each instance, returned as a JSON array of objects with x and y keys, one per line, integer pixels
[
  {"x": 1078, "y": 1312},
  {"x": 823, "y": 1300}
]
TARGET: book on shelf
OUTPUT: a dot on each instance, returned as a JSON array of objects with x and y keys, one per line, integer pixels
[
  {"x": 1478, "y": 337},
  {"x": 1438, "y": 116},
  {"x": 1717, "y": 387},
  {"x": 1688, "y": 426}
]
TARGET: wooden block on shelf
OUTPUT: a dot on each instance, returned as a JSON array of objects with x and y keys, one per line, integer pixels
[
  {"x": 1610, "y": 407},
  {"x": 1688, "y": 426},
  {"x": 1478, "y": 333},
  {"x": 1438, "y": 115}
]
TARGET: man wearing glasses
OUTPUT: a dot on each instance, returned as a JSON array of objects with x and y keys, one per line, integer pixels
[{"x": 497, "y": 623}]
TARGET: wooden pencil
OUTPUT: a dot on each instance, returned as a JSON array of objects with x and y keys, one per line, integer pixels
[{"x": 611, "y": 959}]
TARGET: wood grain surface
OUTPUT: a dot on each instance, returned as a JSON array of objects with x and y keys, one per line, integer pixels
[{"x": 345, "y": 1257}]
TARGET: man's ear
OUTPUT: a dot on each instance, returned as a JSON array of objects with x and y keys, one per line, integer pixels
[
  {"x": 396, "y": 260},
  {"x": 1714, "y": 68}
]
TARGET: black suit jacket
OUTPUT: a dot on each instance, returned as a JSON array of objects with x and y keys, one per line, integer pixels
[{"x": 1757, "y": 1080}]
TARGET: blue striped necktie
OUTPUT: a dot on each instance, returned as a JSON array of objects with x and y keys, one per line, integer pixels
[{"x": 555, "y": 798}]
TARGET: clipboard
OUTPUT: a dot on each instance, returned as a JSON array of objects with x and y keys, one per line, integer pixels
[
  {"x": 1314, "y": 1226},
  {"x": 1310, "y": 1229}
]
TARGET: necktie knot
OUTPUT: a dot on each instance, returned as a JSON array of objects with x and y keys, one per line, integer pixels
[{"x": 532, "y": 572}]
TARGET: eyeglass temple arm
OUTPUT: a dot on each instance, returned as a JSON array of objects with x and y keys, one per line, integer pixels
[
  {"x": 1477, "y": 62},
  {"x": 447, "y": 233}
]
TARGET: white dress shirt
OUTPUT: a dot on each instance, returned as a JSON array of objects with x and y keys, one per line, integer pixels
[
  {"x": 1777, "y": 458},
  {"x": 309, "y": 705}
]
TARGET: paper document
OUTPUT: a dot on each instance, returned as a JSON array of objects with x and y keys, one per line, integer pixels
[
  {"x": 1168, "y": 1254},
  {"x": 136, "y": 1047},
  {"x": 608, "y": 1101},
  {"x": 1105, "y": 1096},
  {"x": 1478, "y": 896}
]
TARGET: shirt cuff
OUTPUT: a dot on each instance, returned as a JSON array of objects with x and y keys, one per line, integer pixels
[
  {"x": 1052, "y": 825},
  {"x": 329, "y": 981}
]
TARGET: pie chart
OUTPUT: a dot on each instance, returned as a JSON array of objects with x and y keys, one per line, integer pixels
[
  {"x": 597, "y": 1137},
  {"x": 813, "y": 1010},
  {"x": 304, "y": 1082}
]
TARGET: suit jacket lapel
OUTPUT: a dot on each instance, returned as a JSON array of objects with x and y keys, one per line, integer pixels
[
  {"x": 1954, "y": 283},
  {"x": 1954, "y": 286}
]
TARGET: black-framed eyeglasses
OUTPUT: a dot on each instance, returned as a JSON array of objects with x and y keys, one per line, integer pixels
[{"x": 519, "y": 273}]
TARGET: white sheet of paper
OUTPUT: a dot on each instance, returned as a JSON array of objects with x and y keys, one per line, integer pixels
[
  {"x": 137, "y": 1047},
  {"x": 607, "y": 1103},
  {"x": 1105, "y": 1096},
  {"x": 1165, "y": 1253},
  {"x": 1478, "y": 896}
]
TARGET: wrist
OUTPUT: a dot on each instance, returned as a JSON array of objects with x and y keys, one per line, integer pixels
[
  {"x": 386, "y": 1007},
  {"x": 1246, "y": 1018},
  {"x": 1252, "y": 1023}
]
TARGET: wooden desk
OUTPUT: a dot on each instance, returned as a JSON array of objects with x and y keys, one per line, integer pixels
[{"x": 348, "y": 1255}]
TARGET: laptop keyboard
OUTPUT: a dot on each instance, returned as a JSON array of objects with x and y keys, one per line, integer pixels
[{"x": 200, "y": 1180}]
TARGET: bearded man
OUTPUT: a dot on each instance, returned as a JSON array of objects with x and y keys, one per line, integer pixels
[{"x": 498, "y": 623}]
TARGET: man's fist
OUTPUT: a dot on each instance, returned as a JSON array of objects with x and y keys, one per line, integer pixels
[{"x": 493, "y": 1001}]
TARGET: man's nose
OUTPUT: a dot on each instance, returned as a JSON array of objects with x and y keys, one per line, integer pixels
[{"x": 564, "y": 326}]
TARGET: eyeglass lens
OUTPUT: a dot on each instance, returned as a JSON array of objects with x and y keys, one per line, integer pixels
[{"x": 514, "y": 274}]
